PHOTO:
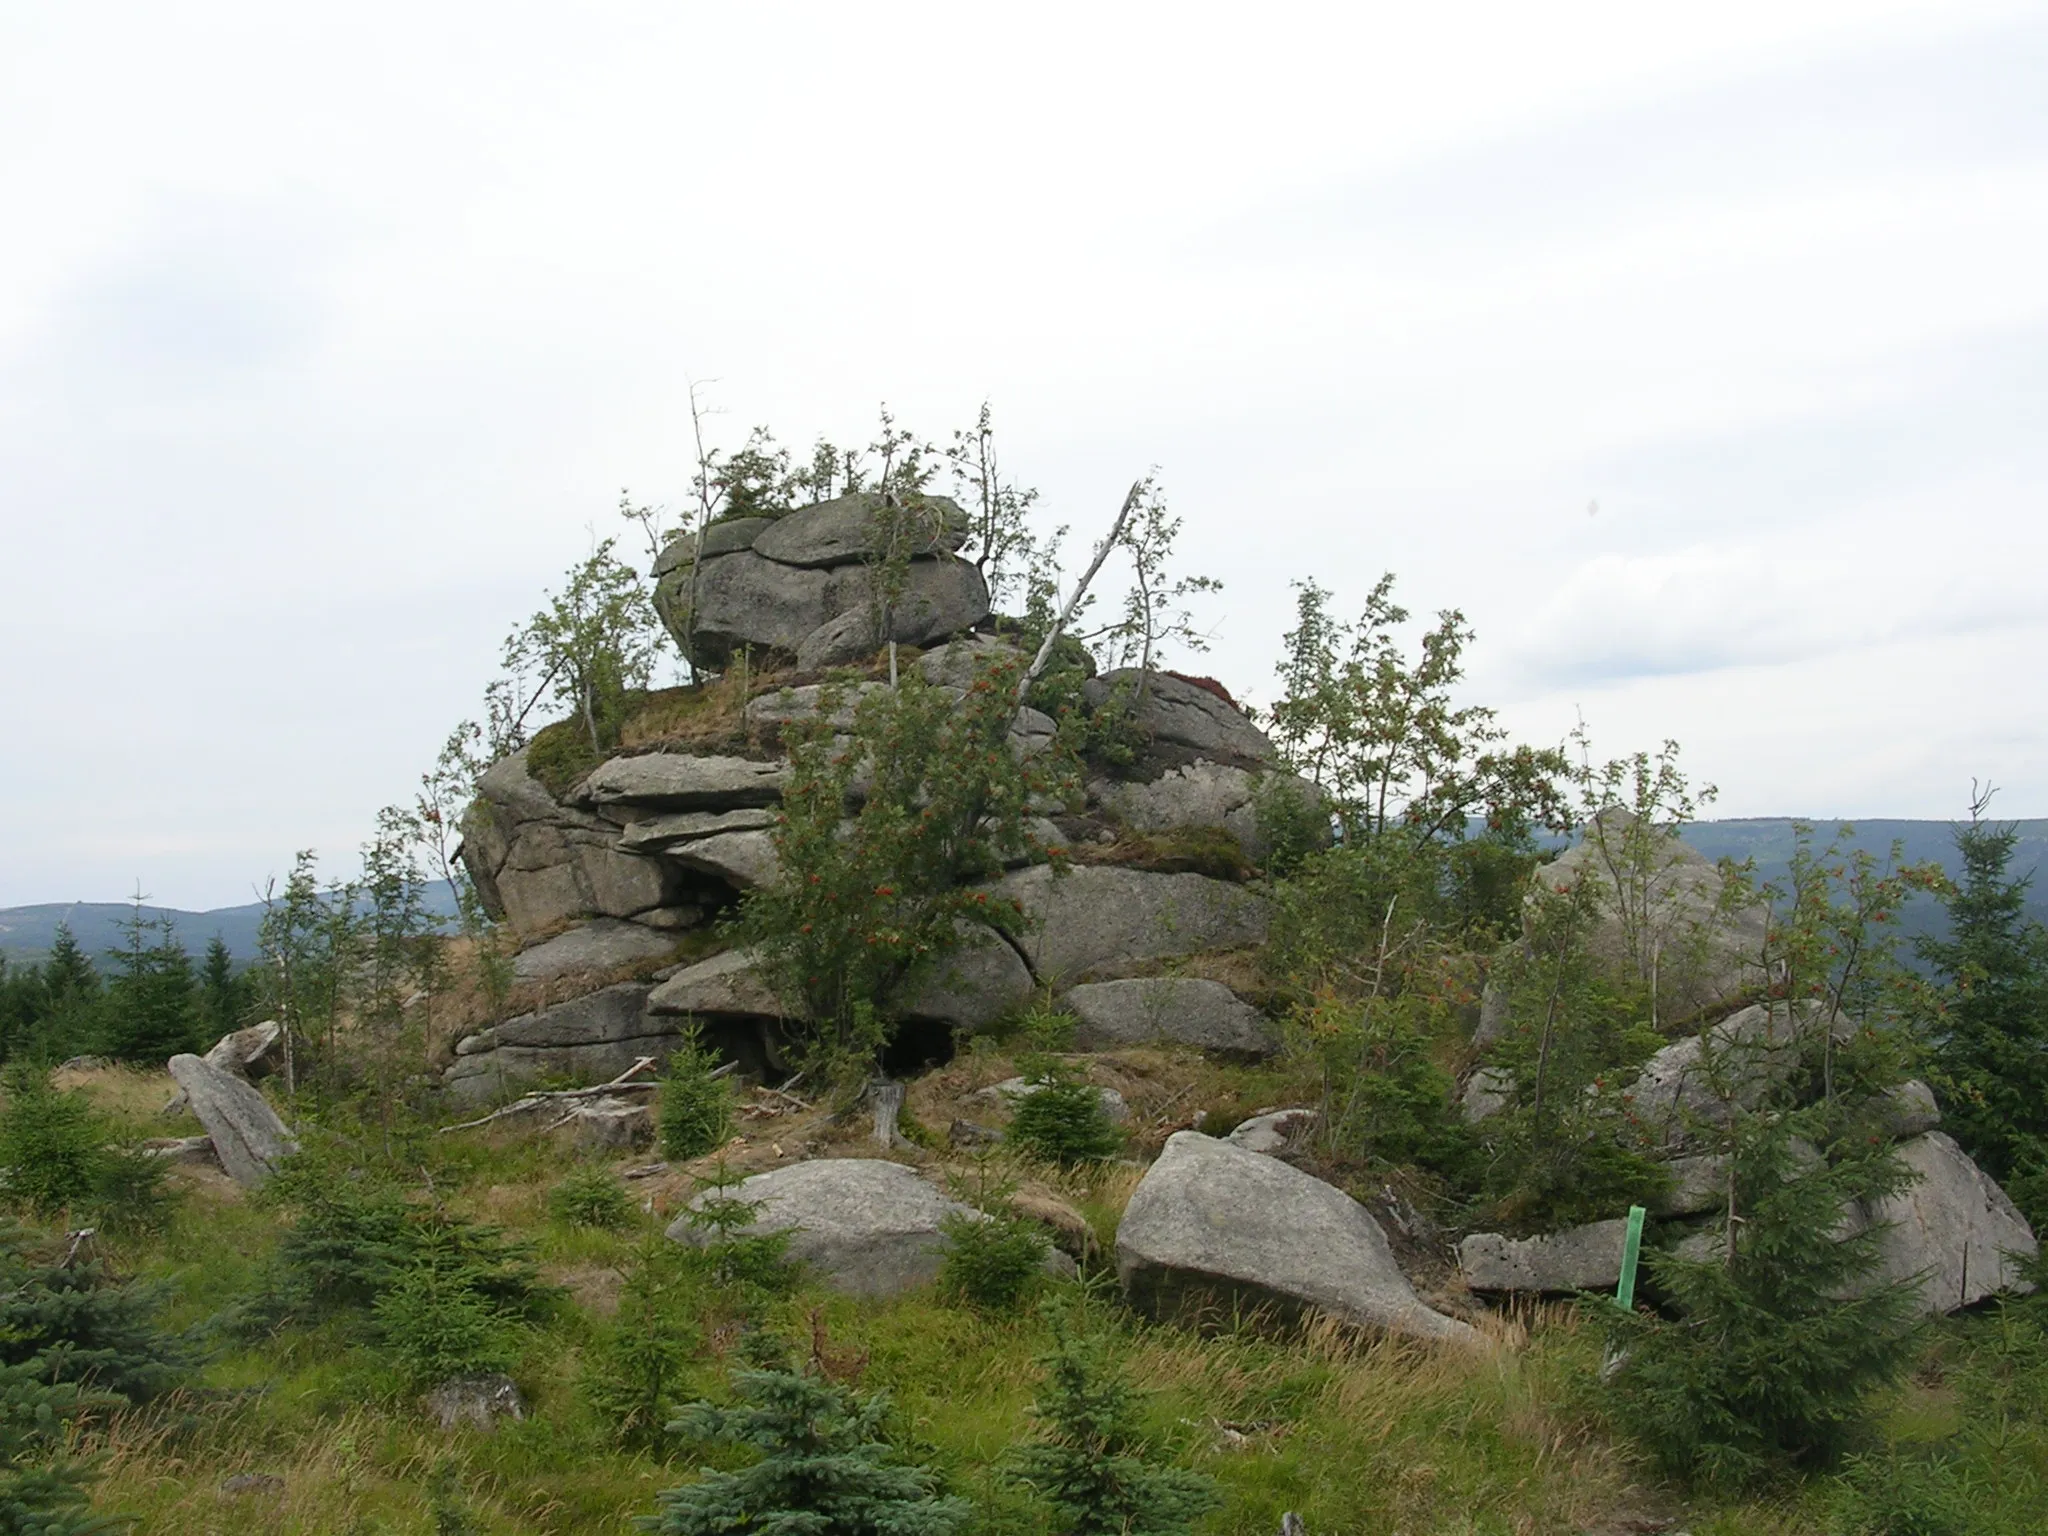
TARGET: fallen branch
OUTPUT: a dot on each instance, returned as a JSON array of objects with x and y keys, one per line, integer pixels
[
  {"x": 527, "y": 1103},
  {"x": 1052, "y": 635}
]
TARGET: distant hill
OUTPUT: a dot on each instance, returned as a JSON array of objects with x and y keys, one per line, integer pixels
[{"x": 27, "y": 932}]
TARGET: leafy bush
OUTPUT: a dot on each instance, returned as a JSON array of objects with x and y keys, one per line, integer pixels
[
  {"x": 992, "y": 1262},
  {"x": 1063, "y": 1121},
  {"x": 695, "y": 1112},
  {"x": 591, "y": 1197},
  {"x": 1091, "y": 1460},
  {"x": 824, "y": 1464},
  {"x": 1386, "y": 1098}
]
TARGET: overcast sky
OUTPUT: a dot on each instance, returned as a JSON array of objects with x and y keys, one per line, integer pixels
[{"x": 1700, "y": 354}]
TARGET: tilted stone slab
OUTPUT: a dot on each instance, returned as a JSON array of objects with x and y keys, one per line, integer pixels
[
  {"x": 1180, "y": 1010},
  {"x": 746, "y": 861},
  {"x": 1953, "y": 1227},
  {"x": 1179, "y": 714},
  {"x": 1584, "y": 1258},
  {"x": 664, "y": 834},
  {"x": 248, "y": 1138},
  {"x": 1212, "y": 1226},
  {"x": 602, "y": 945},
  {"x": 729, "y": 983}
]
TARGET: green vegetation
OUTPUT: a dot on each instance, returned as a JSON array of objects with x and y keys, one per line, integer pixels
[
  {"x": 694, "y": 1113},
  {"x": 1063, "y": 1120}
]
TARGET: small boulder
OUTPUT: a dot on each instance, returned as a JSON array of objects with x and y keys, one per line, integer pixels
[
  {"x": 746, "y": 861},
  {"x": 1910, "y": 1110},
  {"x": 247, "y": 1136},
  {"x": 868, "y": 1227},
  {"x": 1584, "y": 1258},
  {"x": 479, "y": 1401},
  {"x": 1183, "y": 717},
  {"x": 1698, "y": 1185},
  {"x": 1181, "y": 1009},
  {"x": 610, "y": 1126},
  {"x": 244, "y": 1483},
  {"x": 1275, "y": 1131},
  {"x": 1212, "y": 1225},
  {"x": 180, "y": 1149},
  {"x": 1486, "y": 1094},
  {"x": 974, "y": 984},
  {"x": 726, "y": 983},
  {"x": 665, "y": 834},
  {"x": 252, "y": 1053}
]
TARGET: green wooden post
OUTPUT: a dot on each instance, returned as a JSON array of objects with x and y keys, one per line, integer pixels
[{"x": 1631, "y": 1252}]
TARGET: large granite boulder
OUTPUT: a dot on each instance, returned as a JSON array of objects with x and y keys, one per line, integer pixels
[
  {"x": 1953, "y": 1228},
  {"x": 1178, "y": 1010},
  {"x": 1212, "y": 1226},
  {"x": 1184, "y": 720},
  {"x": 974, "y": 985},
  {"x": 1584, "y": 1258},
  {"x": 1097, "y": 916},
  {"x": 728, "y": 983},
  {"x": 1667, "y": 922},
  {"x": 248, "y": 1138},
  {"x": 250, "y": 1053},
  {"x": 805, "y": 585},
  {"x": 681, "y": 781},
  {"x": 866, "y": 1227},
  {"x": 1696, "y": 1081},
  {"x": 588, "y": 1039}
]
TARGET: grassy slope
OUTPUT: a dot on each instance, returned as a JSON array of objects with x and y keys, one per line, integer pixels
[{"x": 1355, "y": 1434}]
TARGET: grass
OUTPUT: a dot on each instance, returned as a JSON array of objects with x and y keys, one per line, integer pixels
[{"x": 1352, "y": 1432}]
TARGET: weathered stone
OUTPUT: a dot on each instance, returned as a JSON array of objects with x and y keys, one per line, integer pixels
[
  {"x": 1179, "y": 714},
  {"x": 744, "y": 860},
  {"x": 180, "y": 1149},
  {"x": 623, "y": 884},
  {"x": 253, "y": 1053},
  {"x": 835, "y": 703},
  {"x": 974, "y": 984},
  {"x": 1582, "y": 1259},
  {"x": 1953, "y": 1227},
  {"x": 938, "y": 598},
  {"x": 965, "y": 1133},
  {"x": 1693, "y": 1082},
  {"x": 1275, "y": 1131},
  {"x": 588, "y": 1039},
  {"x": 1486, "y": 1094},
  {"x": 857, "y": 527},
  {"x": 1179, "y": 1009},
  {"x": 1099, "y": 915},
  {"x": 612, "y": 1013},
  {"x": 726, "y": 983},
  {"x": 679, "y": 781},
  {"x": 721, "y": 538},
  {"x": 1910, "y": 1109},
  {"x": 1705, "y": 958},
  {"x": 596, "y": 947},
  {"x": 672, "y": 919},
  {"x": 1698, "y": 1185},
  {"x": 957, "y": 663},
  {"x": 867, "y": 1227},
  {"x": 244, "y": 1483},
  {"x": 247, "y": 1136},
  {"x": 478, "y": 1401},
  {"x": 608, "y": 1125},
  {"x": 1212, "y": 1225},
  {"x": 664, "y": 834},
  {"x": 742, "y": 600},
  {"x": 1012, "y": 1089},
  {"x": 1201, "y": 794},
  {"x": 532, "y": 900}
]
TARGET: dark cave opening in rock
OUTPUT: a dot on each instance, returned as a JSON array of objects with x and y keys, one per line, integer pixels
[{"x": 919, "y": 1045}]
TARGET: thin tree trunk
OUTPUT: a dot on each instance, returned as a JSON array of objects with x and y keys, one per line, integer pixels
[{"x": 1066, "y": 613}]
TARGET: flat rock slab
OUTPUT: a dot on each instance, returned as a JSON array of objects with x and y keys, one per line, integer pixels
[
  {"x": 867, "y": 1227},
  {"x": 727, "y": 983},
  {"x": 603, "y": 945},
  {"x": 1098, "y": 915},
  {"x": 1953, "y": 1227},
  {"x": 856, "y": 527},
  {"x": 1182, "y": 1010},
  {"x": 1584, "y": 1258},
  {"x": 248, "y": 1138},
  {"x": 663, "y": 834},
  {"x": 680, "y": 781},
  {"x": 1212, "y": 1226}
]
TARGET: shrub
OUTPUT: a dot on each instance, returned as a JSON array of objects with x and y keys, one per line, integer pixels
[
  {"x": 755, "y": 1264},
  {"x": 825, "y": 1465},
  {"x": 435, "y": 1325},
  {"x": 591, "y": 1197},
  {"x": 1063, "y": 1121},
  {"x": 50, "y": 1143},
  {"x": 1090, "y": 1460},
  {"x": 695, "y": 1112},
  {"x": 631, "y": 1371},
  {"x": 992, "y": 1262}
]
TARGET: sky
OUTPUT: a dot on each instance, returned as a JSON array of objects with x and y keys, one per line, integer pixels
[{"x": 1699, "y": 355}]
